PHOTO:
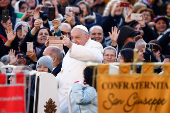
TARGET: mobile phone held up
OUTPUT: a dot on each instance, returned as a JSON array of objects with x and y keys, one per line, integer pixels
[
  {"x": 124, "y": 4},
  {"x": 69, "y": 11},
  {"x": 5, "y": 15},
  {"x": 135, "y": 16},
  {"x": 47, "y": 13}
]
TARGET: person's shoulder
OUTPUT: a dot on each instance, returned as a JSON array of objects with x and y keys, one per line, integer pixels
[
  {"x": 95, "y": 43},
  {"x": 90, "y": 89}
]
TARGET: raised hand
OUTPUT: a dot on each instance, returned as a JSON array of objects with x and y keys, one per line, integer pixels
[
  {"x": 26, "y": 14},
  {"x": 13, "y": 59},
  {"x": 7, "y": 23},
  {"x": 70, "y": 19},
  {"x": 142, "y": 22},
  {"x": 130, "y": 10},
  {"x": 10, "y": 35},
  {"x": 54, "y": 2},
  {"x": 32, "y": 55},
  {"x": 115, "y": 8},
  {"x": 36, "y": 12},
  {"x": 37, "y": 23},
  {"x": 47, "y": 42},
  {"x": 56, "y": 23},
  {"x": 114, "y": 35},
  {"x": 66, "y": 41}
]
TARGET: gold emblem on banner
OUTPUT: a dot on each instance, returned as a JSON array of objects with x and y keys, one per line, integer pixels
[{"x": 50, "y": 106}]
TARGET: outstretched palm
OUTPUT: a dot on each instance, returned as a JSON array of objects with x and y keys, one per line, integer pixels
[
  {"x": 114, "y": 34},
  {"x": 10, "y": 35},
  {"x": 12, "y": 57}
]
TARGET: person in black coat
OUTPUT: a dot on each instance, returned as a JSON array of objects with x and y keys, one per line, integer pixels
[
  {"x": 89, "y": 18},
  {"x": 6, "y": 5},
  {"x": 146, "y": 32},
  {"x": 112, "y": 16}
]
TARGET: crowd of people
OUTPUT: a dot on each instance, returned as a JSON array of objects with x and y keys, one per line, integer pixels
[{"x": 97, "y": 32}]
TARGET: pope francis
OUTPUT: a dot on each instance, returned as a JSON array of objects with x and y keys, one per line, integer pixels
[{"x": 81, "y": 50}]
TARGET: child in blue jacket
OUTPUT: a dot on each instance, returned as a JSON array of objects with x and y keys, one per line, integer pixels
[{"x": 84, "y": 94}]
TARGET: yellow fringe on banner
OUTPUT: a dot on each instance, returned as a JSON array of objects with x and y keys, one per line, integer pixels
[
  {"x": 102, "y": 69},
  {"x": 147, "y": 68}
]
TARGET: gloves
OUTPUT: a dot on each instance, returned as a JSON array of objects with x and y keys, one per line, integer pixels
[{"x": 149, "y": 56}]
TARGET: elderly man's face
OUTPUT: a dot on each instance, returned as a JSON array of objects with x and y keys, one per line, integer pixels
[
  {"x": 65, "y": 30},
  {"x": 97, "y": 34},
  {"x": 109, "y": 56},
  {"x": 79, "y": 36}
]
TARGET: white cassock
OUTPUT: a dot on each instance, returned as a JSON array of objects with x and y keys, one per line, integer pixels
[{"x": 73, "y": 66}]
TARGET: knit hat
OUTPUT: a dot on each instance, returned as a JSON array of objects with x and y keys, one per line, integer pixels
[
  {"x": 125, "y": 32},
  {"x": 140, "y": 44},
  {"x": 45, "y": 61},
  {"x": 82, "y": 28},
  {"x": 161, "y": 17},
  {"x": 156, "y": 45},
  {"x": 19, "y": 24}
]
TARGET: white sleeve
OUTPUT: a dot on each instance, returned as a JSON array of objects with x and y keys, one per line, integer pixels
[{"x": 83, "y": 53}]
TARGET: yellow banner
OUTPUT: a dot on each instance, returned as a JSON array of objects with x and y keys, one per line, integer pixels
[{"x": 133, "y": 94}]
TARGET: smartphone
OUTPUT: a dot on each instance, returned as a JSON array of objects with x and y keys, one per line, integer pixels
[
  {"x": 5, "y": 15},
  {"x": 76, "y": 10},
  {"x": 54, "y": 38},
  {"x": 45, "y": 9},
  {"x": 30, "y": 12},
  {"x": 124, "y": 4},
  {"x": 135, "y": 16},
  {"x": 69, "y": 10},
  {"x": 51, "y": 13},
  {"x": 30, "y": 46},
  {"x": 24, "y": 29}
]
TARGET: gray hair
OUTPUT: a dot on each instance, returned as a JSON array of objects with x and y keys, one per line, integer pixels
[
  {"x": 110, "y": 48},
  {"x": 56, "y": 52}
]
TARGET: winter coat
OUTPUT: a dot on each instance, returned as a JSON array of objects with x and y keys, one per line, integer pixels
[{"x": 83, "y": 97}]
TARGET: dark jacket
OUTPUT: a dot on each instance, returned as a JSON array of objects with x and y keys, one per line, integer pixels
[
  {"x": 57, "y": 69},
  {"x": 4, "y": 50},
  {"x": 109, "y": 22},
  {"x": 149, "y": 34},
  {"x": 104, "y": 44},
  {"x": 155, "y": 8},
  {"x": 164, "y": 41}
]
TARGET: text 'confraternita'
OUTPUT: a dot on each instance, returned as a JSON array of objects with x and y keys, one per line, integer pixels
[{"x": 135, "y": 85}]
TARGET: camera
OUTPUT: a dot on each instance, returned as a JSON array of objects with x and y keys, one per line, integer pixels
[{"x": 47, "y": 13}]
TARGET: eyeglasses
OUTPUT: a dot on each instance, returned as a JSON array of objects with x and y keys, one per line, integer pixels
[
  {"x": 65, "y": 33},
  {"x": 22, "y": 56},
  {"x": 109, "y": 55}
]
